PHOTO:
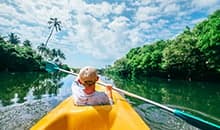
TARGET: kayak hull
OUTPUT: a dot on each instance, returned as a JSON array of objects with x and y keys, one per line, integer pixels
[{"x": 67, "y": 116}]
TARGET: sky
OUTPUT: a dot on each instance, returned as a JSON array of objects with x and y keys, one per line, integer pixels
[{"x": 98, "y": 32}]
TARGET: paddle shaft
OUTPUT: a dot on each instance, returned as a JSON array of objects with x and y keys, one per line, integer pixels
[
  {"x": 198, "y": 122},
  {"x": 139, "y": 97}
]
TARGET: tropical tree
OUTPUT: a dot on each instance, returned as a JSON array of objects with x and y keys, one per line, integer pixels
[
  {"x": 13, "y": 38},
  {"x": 51, "y": 54},
  {"x": 57, "y": 55},
  {"x": 208, "y": 33},
  {"x": 41, "y": 48},
  {"x": 27, "y": 43},
  {"x": 193, "y": 54},
  {"x": 61, "y": 54},
  {"x": 53, "y": 24},
  {"x": 121, "y": 67},
  {"x": 2, "y": 39}
]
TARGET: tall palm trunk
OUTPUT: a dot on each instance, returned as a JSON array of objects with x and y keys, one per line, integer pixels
[{"x": 51, "y": 32}]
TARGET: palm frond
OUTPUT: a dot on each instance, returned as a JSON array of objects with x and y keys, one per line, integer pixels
[{"x": 50, "y": 22}]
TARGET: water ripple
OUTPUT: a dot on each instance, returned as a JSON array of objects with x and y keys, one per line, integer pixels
[{"x": 160, "y": 119}]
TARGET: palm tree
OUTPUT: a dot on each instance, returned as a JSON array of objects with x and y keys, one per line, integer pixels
[
  {"x": 57, "y": 55},
  {"x": 53, "y": 23},
  {"x": 27, "y": 43},
  {"x": 54, "y": 52},
  {"x": 41, "y": 48},
  {"x": 61, "y": 54},
  {"x": 13, "y": 39},
  {"x": 2, "y": 39}
]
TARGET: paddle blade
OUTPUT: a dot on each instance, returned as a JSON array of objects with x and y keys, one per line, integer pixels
[
  {"x": 195, "y": 121},
  {"x": 51, "y": 67}
]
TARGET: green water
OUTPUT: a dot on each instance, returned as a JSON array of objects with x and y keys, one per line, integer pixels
[
  {"x": 201, "y": 99},
  {"x": 26, "y": 97}
]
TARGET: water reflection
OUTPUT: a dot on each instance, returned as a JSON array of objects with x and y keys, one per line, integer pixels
[
  {"x": 25, "y": 87},
  {"x": 27, "y": 97},
  {"x": 198, "y": 98}
]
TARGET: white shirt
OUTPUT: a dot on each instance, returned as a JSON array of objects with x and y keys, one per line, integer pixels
[{"x": 81, "y": 98}]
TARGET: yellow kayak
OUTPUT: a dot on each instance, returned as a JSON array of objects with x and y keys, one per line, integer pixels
[{"x": 67, "y": 116}]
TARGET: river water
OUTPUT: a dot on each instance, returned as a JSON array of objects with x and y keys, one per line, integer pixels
[{"x": 27, "y": 97}]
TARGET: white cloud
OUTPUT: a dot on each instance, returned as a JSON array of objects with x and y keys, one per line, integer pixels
[
  {"x": 142, "y": 2},
  {"x": 92, "y": 38},
  {"x": 119, "y": 24},
  {"x": 101, "y": 31},
  {"x": 99, "y": 10},
  {"x": 145, "y": 26},
  {"x": 160, "y": 23},
  {"x": 204, "y": 3},
  {"x": 119, "y": 8},
  {"x": 147, "y": 13},
  {"x": 31, "y": 12},
  {"x": 172, "y": 8}
]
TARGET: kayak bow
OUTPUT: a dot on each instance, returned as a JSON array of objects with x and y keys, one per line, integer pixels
[{"x": 67, "y": 116}]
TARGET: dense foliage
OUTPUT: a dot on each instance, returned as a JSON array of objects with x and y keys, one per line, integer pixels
[
  {"x": 17, "y": 56},
  {"x": 193, "y": 54}
]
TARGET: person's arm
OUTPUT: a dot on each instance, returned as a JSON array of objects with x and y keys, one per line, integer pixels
[
  {"x": 74, "y": 88},
  {"x": 109, "y": 93}
]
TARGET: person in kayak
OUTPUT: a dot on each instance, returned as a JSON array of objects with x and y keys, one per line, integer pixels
[{"x": 83, "y": 89}]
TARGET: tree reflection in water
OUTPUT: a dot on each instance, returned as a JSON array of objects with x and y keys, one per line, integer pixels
[
  {"x": 20, "y": 87},
  {"x": 201, "y": 99},
  {"x": 27, "y": 97}
]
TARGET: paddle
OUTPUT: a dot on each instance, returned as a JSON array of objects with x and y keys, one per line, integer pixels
[{"x": 193, "y": 120}]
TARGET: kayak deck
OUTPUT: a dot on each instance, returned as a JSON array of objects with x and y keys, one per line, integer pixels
[{"x": 67, "y": 116}]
